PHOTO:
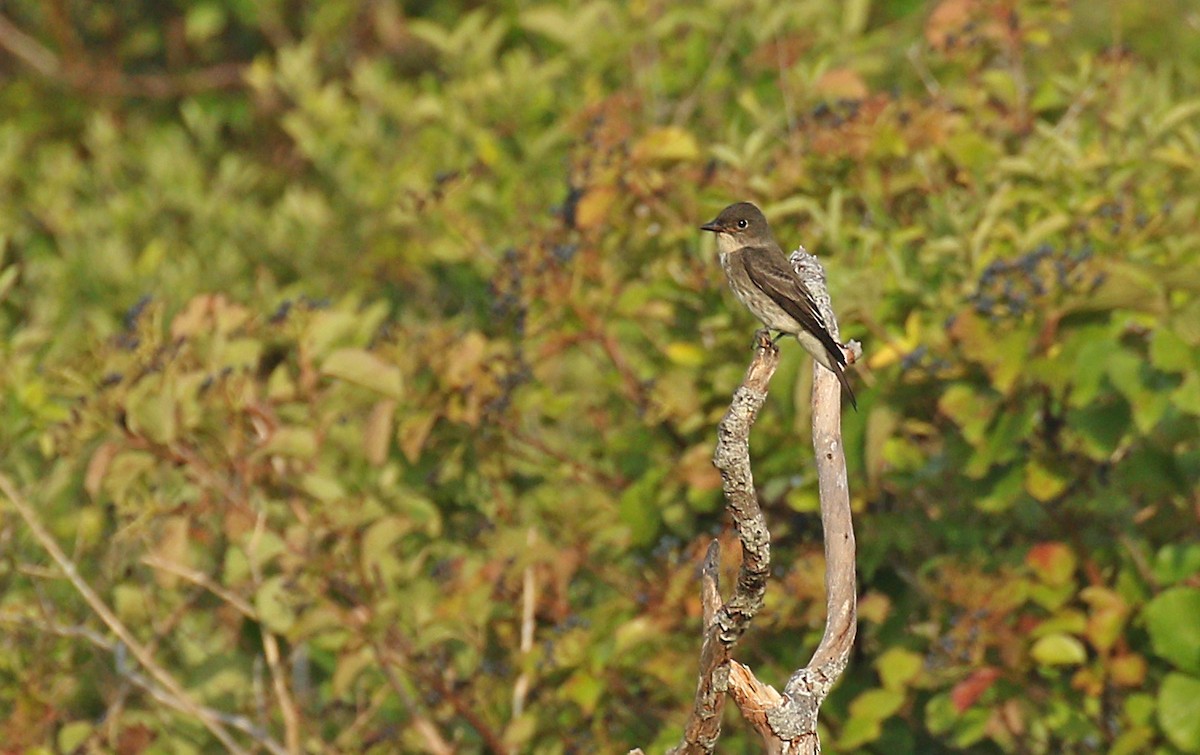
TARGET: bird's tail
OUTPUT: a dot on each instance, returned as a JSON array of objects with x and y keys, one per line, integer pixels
[
  {"x": 840, "y": 371},
  {"x": 835, "y": 362}
]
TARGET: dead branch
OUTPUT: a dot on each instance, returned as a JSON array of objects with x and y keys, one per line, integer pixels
[
  {"x": 792, "y": 723},
  {"x": 725, "y": 623}
]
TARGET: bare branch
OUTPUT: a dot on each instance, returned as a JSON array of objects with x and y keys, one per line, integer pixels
[
  {"x": 287, "y": 705},
  {"x": 725, "y": 623},
  {"x": 840, "y": 581},
  {"x": 704, "y": 725},
  {"x": 732, "y": 458},
  {"x": 795, "y": 721}
]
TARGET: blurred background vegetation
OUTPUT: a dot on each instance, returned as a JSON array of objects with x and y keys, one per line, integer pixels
[{"x": 365, "y": 358}]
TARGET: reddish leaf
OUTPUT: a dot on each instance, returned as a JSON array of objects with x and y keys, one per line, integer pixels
[
  {"x": 969, "y": 690},
  {"x": 1054, "y": 563}
]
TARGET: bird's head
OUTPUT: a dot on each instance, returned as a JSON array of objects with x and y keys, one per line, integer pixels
[{"x": 743, "y": 222}]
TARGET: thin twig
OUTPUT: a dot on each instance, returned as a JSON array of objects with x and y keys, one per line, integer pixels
[
  {"x": 200, "y": 579},
  {"x": 528, "y": 605},
  {"x": 27, "y": 49},
  {"x": 287, "y": 706},
  {"x": 434, "y": 740},
  {"x": 117, "y": 649},
  {"x": 704, "y": 725},
  {"x": 931, "y": 84}
]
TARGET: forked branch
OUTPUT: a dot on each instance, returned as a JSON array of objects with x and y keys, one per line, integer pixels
[{"x": 788, "y": 721}]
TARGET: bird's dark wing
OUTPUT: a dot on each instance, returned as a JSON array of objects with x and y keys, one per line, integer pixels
[{"x": 769, "y": 271}]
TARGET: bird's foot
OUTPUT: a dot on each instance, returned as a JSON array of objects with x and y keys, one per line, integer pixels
[
  {"x": 763, "y": 340},
  {"x": 779, "y": 337}
]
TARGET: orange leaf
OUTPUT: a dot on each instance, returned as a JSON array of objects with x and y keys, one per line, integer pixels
[
  {"x": 97, "y": 467},
  {"x": 842, "y": 84},
  {"x": 948, "y": 20},
  {"x": 377, "y": 433},
  {"x": 593, "y": 207},
  {"x": 414, "y": 431}
]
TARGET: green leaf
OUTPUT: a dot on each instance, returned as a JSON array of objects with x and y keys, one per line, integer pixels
[
  {"x": 323, "y": 487},
  {"x": 858, "y": 731},
  {"x": 378, "y": 540},
  {"x": 585, "y": 690},
  {"x": 969, "y": 409},
  {"x": 259, "y": 551},
  {"x": 1006, "y": 488},
  {"x": 129, "y": 602},
  {"x": 1171, "y": 619},
  {"x": 1179, "y": 711},
  {"x": 1133, "y": 741},
  {"x": 294, "y": 442},
  {"x": 1043, "y": 483},
  {"x": 1090, "y": 363},
  {"x": 274, "y": 604},
  {"x": 877, "y": 704},
  {"x": 1187, "y": 396},
  {"x": 73, "y": 735},
  {"x": 685, "y": 354},
  {"x": 151, "y": 412},
  {"x": 897, "y": 667},
  {"x": 940, "y": 713},
  {"x": 363, "y": 368},
  {"x": 1101, "y": 426},
  {"x": 639, "y": 508},
  {"x": 667, "y": 144},
  {"x": 203, "y": 21},
  {"x": 1176, "y": 562},
  {"x": 521, "y": 730},
  {"x": 1059, "y": 650},
  {"x": 350, "y": 666},
  {"x": 1004, "y": 441},
  {"x": 1170, "y": 353},
  {"x": 1106, "y": 619},
  {"x": 942, "y": 717}
]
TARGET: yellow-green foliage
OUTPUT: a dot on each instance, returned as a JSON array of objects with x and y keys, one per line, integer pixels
[{"x": 410, "y": 317}]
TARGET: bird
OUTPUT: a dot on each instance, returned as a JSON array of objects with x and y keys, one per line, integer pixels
[{"x": 763, "y": 280}]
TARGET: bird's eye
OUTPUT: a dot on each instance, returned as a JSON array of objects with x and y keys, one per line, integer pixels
[{"x": 743, "y": 223}]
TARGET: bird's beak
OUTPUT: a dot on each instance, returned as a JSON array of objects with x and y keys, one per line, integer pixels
[{"x": 711, "y": 226}]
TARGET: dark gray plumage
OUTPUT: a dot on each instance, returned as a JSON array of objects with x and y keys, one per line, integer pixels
[{"x": 763, "y": 280}]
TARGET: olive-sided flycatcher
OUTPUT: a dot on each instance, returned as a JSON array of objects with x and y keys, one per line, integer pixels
[{"x": 765, "y": 282}]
